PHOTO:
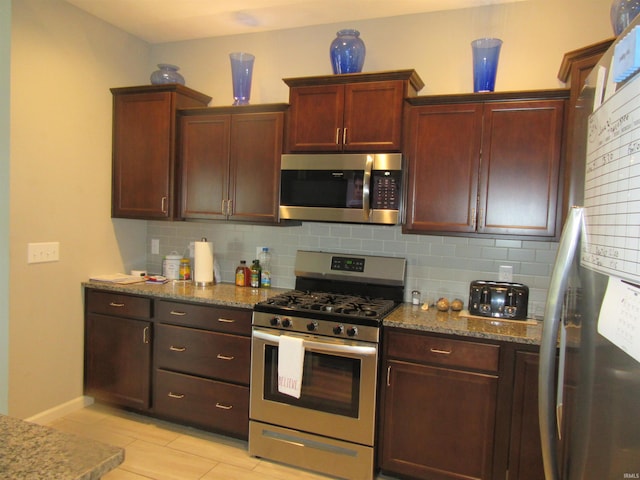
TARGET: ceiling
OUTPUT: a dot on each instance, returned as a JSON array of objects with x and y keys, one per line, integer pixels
[{"x": 159, "y": 21}]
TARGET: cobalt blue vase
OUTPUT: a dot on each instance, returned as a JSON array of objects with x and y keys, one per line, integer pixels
[
  {"x": 166, "y": 73},
  {"x": 347, "y": 52},
  {"x": 622, "y": 12}
]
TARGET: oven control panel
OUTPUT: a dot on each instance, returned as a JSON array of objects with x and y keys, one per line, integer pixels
[{"x": 347, "y": 264}]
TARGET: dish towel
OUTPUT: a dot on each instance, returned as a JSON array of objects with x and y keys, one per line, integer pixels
[{"x": 290, "y": 362}]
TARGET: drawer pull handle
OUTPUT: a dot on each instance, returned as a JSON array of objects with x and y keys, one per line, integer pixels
[
  {"x": 175, "y": 395},
  {"x": 145, "y": 335},
  {"x": 226, "y": 320},
  {"x": 440, "y": 351},
  {"x": 179, "y": 314},
  {"x": 225, "y": 357},
  {"x": 114, "y": 304},
  {"x": 223, "y": 407},
  {"x": 177, "y": 349}
]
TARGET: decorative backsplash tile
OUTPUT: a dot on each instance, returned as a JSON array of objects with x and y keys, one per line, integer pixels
[{"x": 438, "y": 266}]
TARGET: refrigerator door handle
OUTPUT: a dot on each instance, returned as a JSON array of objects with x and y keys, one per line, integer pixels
[{"x": 569, "y": 242}]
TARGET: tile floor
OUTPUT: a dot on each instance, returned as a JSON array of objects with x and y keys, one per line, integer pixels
[{"x": 160, "y": 450}]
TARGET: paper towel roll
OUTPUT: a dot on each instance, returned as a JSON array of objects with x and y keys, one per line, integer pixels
[{"x": 203, "y": 263}]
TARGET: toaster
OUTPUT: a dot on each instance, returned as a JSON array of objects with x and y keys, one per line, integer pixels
[{"x": 498, "y": 299}]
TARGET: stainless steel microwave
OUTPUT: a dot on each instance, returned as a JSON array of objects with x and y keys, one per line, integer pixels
[{"x": 350, "y": 188}]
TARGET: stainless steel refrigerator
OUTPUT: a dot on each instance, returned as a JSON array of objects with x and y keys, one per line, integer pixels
[{"x": 589, "y": 380}]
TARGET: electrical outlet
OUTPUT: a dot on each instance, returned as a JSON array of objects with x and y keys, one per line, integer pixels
[
  {"x": 505, "y": 274},
  {"x": 43, "y": 252},
  {"x": 155, "y": 246}
]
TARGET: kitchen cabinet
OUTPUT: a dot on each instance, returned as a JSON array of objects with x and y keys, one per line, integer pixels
[
  {"x": 574, "y": 69},
  {"x": 485, "y": 164},
  {"x": 350, "y": 112},
  {"x": 144, "y": 148},
  {"x": 117, "y": 357},
  {"x": 201, "y": 366},
  {"x": 439, "y": 406},
  {"x": 230, "y": 159}
]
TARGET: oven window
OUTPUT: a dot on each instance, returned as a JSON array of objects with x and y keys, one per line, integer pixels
[{"x": 330, "y": 383}]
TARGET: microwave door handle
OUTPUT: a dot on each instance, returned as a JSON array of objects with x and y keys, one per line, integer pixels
[{"x": 366, "y": 182}]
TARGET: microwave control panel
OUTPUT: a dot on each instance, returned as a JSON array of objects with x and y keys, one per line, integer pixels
[{"x": 386, "y": 191}]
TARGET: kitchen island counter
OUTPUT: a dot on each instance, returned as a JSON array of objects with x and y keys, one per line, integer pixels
[
  {"x": 225, "y": 294},
  {"x": 413, "y": 317},
  {"x": 32, "y": 451}
]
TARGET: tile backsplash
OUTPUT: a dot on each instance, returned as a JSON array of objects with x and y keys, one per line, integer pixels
[{"x": 437, "y": 266}]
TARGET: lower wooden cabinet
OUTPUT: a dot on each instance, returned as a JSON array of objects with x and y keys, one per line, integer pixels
[
  {"x": 439, "y": 416},
  {"x": 201, "y": 366},
  {"x": 455, "y": 408},
  {"x": 117, "y": 360},
  {"x": 185, "y": 362}
]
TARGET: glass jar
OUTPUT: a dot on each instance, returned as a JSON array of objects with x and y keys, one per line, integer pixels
[
  {"x": 185, "y": 269},
  {"x": 166, "y": 73}
]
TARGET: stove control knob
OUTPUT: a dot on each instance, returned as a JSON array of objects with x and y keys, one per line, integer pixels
[
  {"x": 275, "y": 321},
  {"x": 338, "y": 329},
  {"x": 312, "y": 326},
  {"x": 286, "y": 323},
  {"x": 352, "y": 331}
]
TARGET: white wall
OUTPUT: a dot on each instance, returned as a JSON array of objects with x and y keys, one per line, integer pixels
[
  {"x": 63, "y": 63},
  {"x": 536, "y": 34}
]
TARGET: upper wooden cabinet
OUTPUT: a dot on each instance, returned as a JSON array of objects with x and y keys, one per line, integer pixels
[
  {"x": 574, "y": 70},
  {"x": 351, "y": 113},
  {"x": 144, "y": 167},
  {"x": 485, "y": 163},
  {"x": 230, "y": 162}
]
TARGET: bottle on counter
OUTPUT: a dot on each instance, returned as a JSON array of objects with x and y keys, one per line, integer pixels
[
  {"x": 265, "y": 264},
  {"x": 185, "y": 269},
  {"x": 256, "y": 272},
  {"x": 243, "y": 275}
]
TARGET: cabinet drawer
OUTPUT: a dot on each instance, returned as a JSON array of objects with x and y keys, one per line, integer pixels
[
  {"x": 443, "y": 351},
  {"x": 208, "y": 403},
  {"x": 221, "y": 319},
  {"x": 118, "y": 304},
  {"x": 200, "y": 352}
]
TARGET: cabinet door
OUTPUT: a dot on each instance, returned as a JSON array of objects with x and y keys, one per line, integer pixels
[
  {"x": 443, "y": 162},
  {"x": 142, "y": 156},
  {"x": 315, "y": 119},
  {"x": 525, "y": 454},
  {"x": 438, "y": 423},
  {"x": 373, "y": 116},
  {"x": 118, "y": 360},
  {"x": 204, "y": 153},
  {"x": 521, "y": 151},
  {"x": 256, "y": 147}
]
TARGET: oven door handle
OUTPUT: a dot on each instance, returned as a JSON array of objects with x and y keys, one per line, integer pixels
[{"x": 320, "y": 346}]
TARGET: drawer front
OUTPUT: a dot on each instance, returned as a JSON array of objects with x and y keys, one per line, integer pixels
[
  {"x": 220, "y": 319},
  {"x": 208, "y": 403},
  {"x": 443, "y": 351},
  {"x": 200, "y": 352},
  {"x": 117, "y": 304}
]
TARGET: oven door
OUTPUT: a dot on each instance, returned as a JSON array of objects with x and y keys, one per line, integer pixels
[{"x": 338, "y": 395}]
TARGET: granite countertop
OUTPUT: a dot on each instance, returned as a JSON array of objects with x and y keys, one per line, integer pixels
[
  {"x": 460, "y": 323},
  {"x": 35, "y": 452},
  {"x": 405, "y": 316},
  {"x": 226, "y": 294}
]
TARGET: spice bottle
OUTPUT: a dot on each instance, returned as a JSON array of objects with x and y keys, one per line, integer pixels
[{"x": 256, "y": 271}]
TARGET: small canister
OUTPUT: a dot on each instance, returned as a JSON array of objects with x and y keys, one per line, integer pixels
[
  {"x": 172, "y": 266},
  {"x": 185, "y": 269},
  {"x": 415, "y": 297}
]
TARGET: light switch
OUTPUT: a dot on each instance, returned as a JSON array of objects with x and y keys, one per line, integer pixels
[{"x": 43, "y": 252}]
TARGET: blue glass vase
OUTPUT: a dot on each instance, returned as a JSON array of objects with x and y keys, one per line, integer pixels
[
  {"x": 622, "y": 12},
  {"x": 347, "y": 52},
  {"x": 241, "y": 73},
  {"x": 166, "y": 74}
]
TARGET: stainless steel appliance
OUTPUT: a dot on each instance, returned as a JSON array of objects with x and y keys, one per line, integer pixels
[
  {"x": 352, "y": 188},
  {"x": 590, "y": 418},
  {"x": 498, "y": 299},
  {"x": 336, "y": 309}
]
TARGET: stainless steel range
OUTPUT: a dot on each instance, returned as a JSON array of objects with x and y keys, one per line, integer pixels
[{"x": 334, "y": 317}]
